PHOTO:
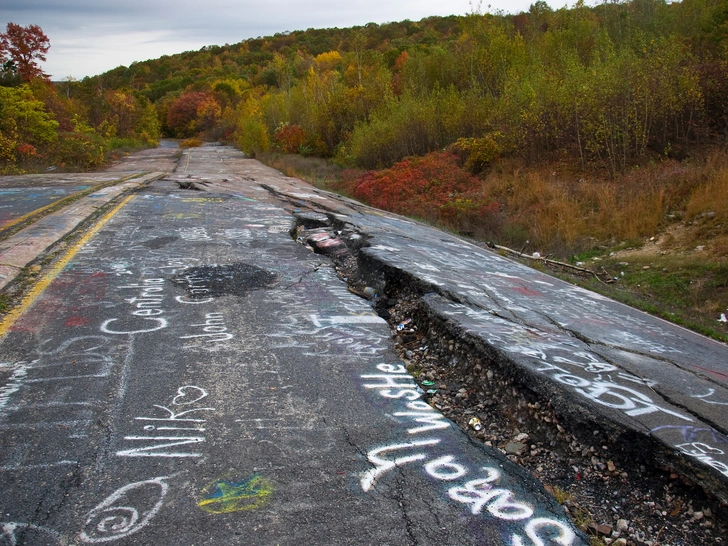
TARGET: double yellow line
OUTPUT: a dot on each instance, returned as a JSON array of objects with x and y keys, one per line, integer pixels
[
  {"x": 37, "y": 290},
  {"x": 63, "y": 201}
]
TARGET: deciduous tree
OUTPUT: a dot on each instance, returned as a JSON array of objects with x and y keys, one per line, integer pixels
[{"x": 25, "y": 46}]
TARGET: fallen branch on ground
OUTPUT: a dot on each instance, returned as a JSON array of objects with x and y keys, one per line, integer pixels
[{"x": 553, "y": 262}]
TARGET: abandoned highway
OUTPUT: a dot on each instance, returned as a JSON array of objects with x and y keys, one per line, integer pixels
[{"x": 209, "y": 352}]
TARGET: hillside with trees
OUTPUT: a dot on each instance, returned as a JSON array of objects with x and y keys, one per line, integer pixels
[
  {"x": 569, "y": 131},
  {"x": 610, "y": 86}
]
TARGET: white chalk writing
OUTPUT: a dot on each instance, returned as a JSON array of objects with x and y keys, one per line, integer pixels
[{"x": 172, "y": 428}]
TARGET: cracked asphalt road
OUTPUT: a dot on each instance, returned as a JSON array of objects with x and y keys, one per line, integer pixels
[{"x": 194, "y": 375}]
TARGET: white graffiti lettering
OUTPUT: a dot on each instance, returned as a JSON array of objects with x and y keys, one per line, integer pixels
[
  {"x": 176, "y": 422},
  {"x": 214, "y": 328},
  {"x": 704, "y": 453},
  {"x": 381, "y": 466},
  {"x": 160, "y": 324}
]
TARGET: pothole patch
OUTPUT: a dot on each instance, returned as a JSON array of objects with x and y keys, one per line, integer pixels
[{"x": 237, "y": 279}]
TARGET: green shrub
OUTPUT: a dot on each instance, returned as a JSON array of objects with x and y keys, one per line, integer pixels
[{"x": 79, "y": 150}]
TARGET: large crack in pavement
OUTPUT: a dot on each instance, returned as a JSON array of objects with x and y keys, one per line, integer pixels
[
  {"x": 616, "y": 478},
  {"x": 605, "y": 473}
]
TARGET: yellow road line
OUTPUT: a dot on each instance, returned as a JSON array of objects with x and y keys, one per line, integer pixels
[
  {"x": 32, "y": 213},
  {"x": 73, "y": 196},
  {"x": 38, "y": 289}
]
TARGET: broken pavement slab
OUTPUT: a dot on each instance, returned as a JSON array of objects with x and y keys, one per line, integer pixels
[{"x": 655, "y": 388}]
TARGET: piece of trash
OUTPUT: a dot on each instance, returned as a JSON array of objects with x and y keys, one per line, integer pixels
[
  {"x": 428, "y": 383},
  {"x": 369, "y": 292},
  {"x": 475, "y": 424},
  {"x": 536, "y": 254},
  {"x": 431, "y": 392},
  {"x": 579, "y": 263},
  {"x": 515, "y": 448},
  {"x": 402, "y": 325},
  {"x": 722, "y": 318}
]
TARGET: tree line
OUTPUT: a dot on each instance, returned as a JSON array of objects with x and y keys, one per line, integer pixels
[{"x": 606, "y": 86}]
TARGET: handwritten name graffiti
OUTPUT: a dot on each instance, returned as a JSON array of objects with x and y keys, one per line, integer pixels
[
  {"x": 180, "y": 425},
  {"x": 147, "y": 310},
  {"x": 481, "y": 493},
  {"x": 396, "y": 383},
  {"x": 234, "y": 494},
  {"x": 125, "y": 512},
  {"x": 213, "y": 330},
  {"x": 198, "y": 289}
]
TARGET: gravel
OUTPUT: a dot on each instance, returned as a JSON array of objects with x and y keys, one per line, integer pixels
[{"x": 608, "y": 494}]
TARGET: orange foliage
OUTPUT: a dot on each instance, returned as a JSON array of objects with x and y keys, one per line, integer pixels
[
  {"x": 182, "y": 114},
  {"x": 27, "y": 150},
  {"x": 397, "y": 86},
  {"x": 208, "y": 114}
]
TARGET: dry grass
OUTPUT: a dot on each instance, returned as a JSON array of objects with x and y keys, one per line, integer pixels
[
  {"x": 562, "y": 212},
  {"x": 317, "y": 171},
  {"x": 710, "y": 199}
]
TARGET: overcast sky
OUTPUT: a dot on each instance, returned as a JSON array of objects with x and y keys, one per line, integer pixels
[{"x": 89, "y": 37}]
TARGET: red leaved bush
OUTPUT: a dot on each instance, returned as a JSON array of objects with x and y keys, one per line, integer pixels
[
  {"x": 434, "y": 187},
  {"x": 290, "y": 138},
  {"x": 417, "y": 186},
  {"x": 27, "y": 150},
  {"x": 182, "y": 114}
]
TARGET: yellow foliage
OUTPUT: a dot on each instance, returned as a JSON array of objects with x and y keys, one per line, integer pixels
[
  {"x": 191, "y": 143},
  {"x": 479, "y": 152},
  {"x": 328, "y": 61}
]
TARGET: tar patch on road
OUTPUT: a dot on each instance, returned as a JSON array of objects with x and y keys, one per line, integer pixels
[{"x": 236, "y": 279}]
